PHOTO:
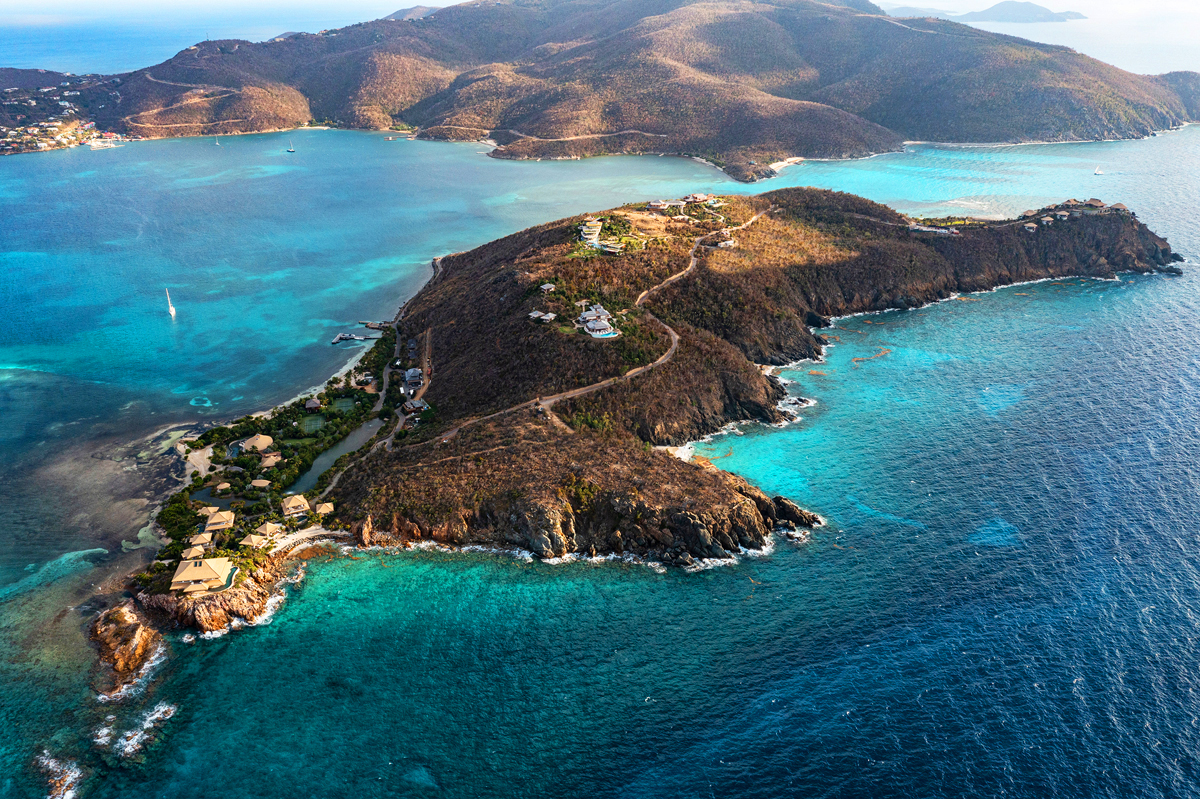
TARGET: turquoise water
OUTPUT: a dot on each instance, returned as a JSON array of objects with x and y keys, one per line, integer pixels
[{"x": 1004, "y": 599}]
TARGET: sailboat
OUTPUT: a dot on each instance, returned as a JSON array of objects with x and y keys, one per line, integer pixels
[
  {"x": 217, "y": 141},
  {"x": 291, "y": 147},
  {"x": 170, "y": 307},
  {"x": 1098, "y": 171}
]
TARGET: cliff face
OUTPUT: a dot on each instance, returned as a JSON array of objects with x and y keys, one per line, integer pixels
[
  {"x": 125, "y": 639},
  {"x": 522, "y": 482},
  {"x": 576, "y": 473}
]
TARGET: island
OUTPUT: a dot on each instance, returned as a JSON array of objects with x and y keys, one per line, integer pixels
[
  {"x": 744, "y": 87},
  {"x": 538, "y": 393}
]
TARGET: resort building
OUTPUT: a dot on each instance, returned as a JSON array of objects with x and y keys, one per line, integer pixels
[
  {"x": 257, "y": 443},
  {"x": 271, "y": 460},
  {"x": 1045, "y": 220},
  {"x": 253, "y": 540},
  {"x": 598, "y": 328},
  {"x": 415, "y": 406},
  {"x": 295, "y": 506},
  {"x": 191, "y": 553},
  {"x": 201, "y": 576},
  {"x": 324, "y": 508},
  {"x": 698, "y": 198},
  {"x": 221, "y": 520},
  {"x": 1031, "y": 227},
  {"x": 209, "y": 511},
  {"x": 268, "y": 529},
  {"x": 313, "y": 404},
  {"x": 223, "y": 486},
  {"x": 260, "y": 483},
  {"x": 200, "y": 539},
  {"x": 547, "y": 288}
]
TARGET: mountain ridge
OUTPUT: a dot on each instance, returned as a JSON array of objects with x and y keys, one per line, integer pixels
[{"x": 740, "y": 83}]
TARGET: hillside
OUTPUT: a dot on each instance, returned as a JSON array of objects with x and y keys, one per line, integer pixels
[
  {"x": 540, "y": 437},
  {"x": 741, "y": 83}
]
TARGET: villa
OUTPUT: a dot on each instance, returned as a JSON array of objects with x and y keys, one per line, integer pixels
[
  {"x": 1045, "y": 220},
  {"x": 268, "y": 529},
  {"x": 221, "y": 520},
  {"x": 253, "y": 540},
  {"x": 200, "y": 539},
  {"x": 313, "y": 404},
  {"x": 257, "y": 443},
  {"x": 416, "y": 406},
  {"x": 209, "y": 511},
  {"x": 547, "y": 288},
  {"x": 223, "y": 486},
  {"x": 191, "y": 553},
  {"x": 1031, "y": 227},
  {"x": 295, "y": 506},
  {"x": 271, "y": 460},
  {"x": 260, "y": 483},
  {"x": 598, "y": 328},
  {"x": 415, "y": 378},
  {"x": 324, "y": 508},
  {"x": 596, "y": 313},
  {"x": 200, "y": 576}
]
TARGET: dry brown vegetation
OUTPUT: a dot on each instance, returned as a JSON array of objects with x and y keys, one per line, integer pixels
[
  {"x": 582, "y": 477},
  {"x": 741, "y": 83}
]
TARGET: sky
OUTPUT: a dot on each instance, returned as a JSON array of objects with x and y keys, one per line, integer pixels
[
  {"x": 121, "y": 35},
  {"x": 1146, "y": 37}
]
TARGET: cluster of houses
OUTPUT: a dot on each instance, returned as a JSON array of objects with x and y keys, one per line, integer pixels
[
  {"x": 595, "y": 321},
  {"x": 197, "y": 574},
  {"x": 1070, "y": 208},
  {"x": 662, "y": 206}
]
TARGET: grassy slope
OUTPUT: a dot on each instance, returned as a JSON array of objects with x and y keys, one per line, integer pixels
[{"x": 736, "y": 81}]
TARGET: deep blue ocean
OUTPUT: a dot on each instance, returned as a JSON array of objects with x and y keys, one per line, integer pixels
[{"x": 1005, "y": 601}]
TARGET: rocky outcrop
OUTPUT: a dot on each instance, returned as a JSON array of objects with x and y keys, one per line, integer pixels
[
  {"x": 125, "y": 640},
  {"x": 246, "y": 600}
]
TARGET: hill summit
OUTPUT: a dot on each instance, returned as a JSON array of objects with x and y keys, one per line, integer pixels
[{"x": 740, "y": 83}]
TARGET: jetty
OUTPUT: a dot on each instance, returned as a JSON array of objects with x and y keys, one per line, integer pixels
[{"x": 340, "y": 337}]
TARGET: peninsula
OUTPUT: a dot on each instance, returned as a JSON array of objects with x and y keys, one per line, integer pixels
[{"x": 743, "y": 85}]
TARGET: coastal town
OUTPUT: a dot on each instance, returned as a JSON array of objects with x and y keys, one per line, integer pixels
[{"x": 55, "y": 115}]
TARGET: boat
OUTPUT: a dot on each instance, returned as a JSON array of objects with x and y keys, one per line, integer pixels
[
  {"x": 170, "y": 307},
  {"x": 216, "y": 141},
  {"x": 1098, "y": 171},
  {"x": 291, "y": 147},
  {"x": 390, "y": 138}
]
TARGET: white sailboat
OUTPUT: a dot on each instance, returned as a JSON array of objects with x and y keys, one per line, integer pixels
[
  {"x": 218, "y": 141},
  {"x": 170, "y": 307},
  {"x": 291, "y": 147},
  {"x": 1098, "y": 171}
]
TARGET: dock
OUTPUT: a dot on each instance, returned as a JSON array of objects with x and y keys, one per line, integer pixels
[{"x": 340, "y": 337}]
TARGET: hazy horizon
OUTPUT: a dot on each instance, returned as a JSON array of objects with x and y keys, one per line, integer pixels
[{"x": 109, "y": 36}]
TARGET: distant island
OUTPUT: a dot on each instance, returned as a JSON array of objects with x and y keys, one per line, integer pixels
[
  {"x": 1007, "y": 11},
  {"x": 741, "y": 86}
]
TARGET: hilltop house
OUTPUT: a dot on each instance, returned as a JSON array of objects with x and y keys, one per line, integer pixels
[
  {"x": 547, "y": 288},
  {"x": 294, "y": 506},
  {"x": 201, "y": 576}
]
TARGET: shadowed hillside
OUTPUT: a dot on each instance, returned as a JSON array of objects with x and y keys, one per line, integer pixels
[
  {"x": 741, "y": 83},
  {"x": 540, "y": 435}
]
